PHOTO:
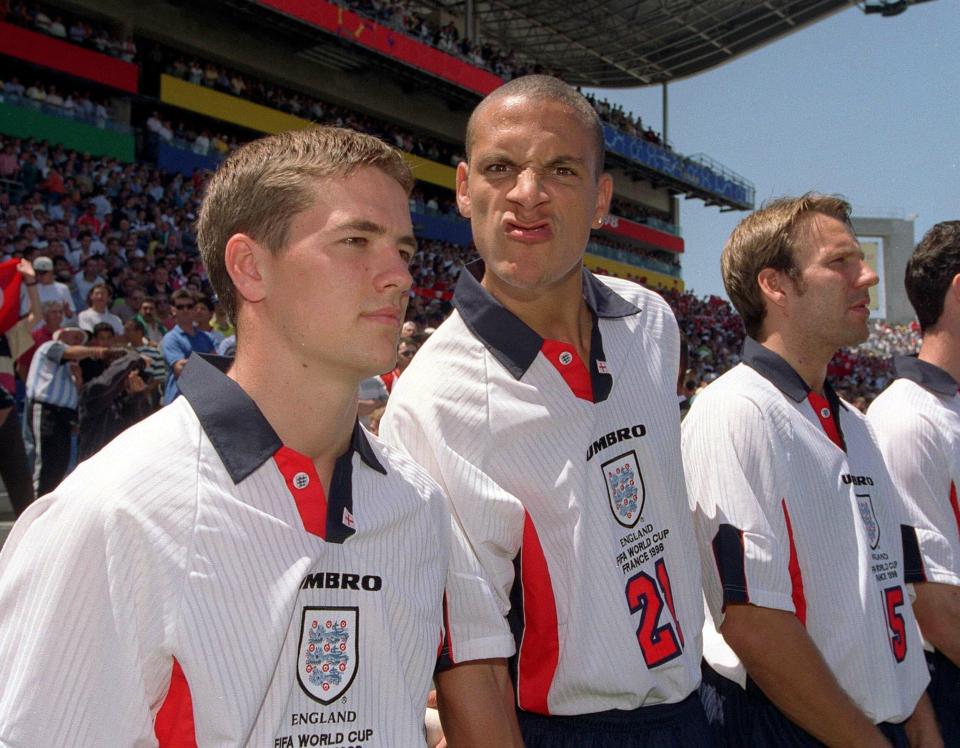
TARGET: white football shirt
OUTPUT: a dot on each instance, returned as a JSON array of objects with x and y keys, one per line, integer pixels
[
  {"x": 917, "y": 422},
  {"x": 196, "y": 537},
  {"x": 796, "y": 511},
  {"x": 565, "y": 476}
]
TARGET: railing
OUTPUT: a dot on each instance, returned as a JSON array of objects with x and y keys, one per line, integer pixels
[{"x": 699, "y": 171}]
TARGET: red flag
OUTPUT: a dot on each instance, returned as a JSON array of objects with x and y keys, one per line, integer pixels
[{"x": 9, "y": 294}]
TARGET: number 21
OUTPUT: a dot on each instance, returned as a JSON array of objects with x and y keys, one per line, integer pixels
[{"x": 658, "y": 643}]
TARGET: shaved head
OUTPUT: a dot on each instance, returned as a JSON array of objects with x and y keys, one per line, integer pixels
[{"x": 543, "y": 88}]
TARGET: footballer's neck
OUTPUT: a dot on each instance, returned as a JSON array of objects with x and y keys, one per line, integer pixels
[
  {"x": 312, "y": 411},
  {"x": 941, "y": 347},
  {"x": 806, "y": 357},
  {"x": 554, "y": 312}
]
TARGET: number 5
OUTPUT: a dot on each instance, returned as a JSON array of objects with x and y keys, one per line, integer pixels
[{"x": 898, "y": 639}]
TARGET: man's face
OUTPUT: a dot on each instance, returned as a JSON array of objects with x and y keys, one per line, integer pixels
[
  {"x": 405, "y": 353},
  {"x": 99, "y": 298},
  {"x": 531, "y": 193},
  {"x": 148, "y": 311},
  {"x": 103, "y": 338},
  {"x": 132, "y": 333},
  {"x": 183, "y": 314},
  {"x": 202, "y": 314},
  {"x": 336, "y": 294},
  {"x": 828, "y": 306},
  {"x": 409, "y": 329},
  {"x": 53, "y": 317},
  {"x": 72, "y": 337}
]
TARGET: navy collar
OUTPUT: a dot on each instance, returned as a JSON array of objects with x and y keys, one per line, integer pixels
[
  {"x": 784, "y": 377},
  {"x": 243, "y": 438},
  {"x": 506, "y": 336},
  {"x": 927, "y": 375}
]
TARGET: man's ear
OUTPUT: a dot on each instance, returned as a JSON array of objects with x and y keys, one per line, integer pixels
[
  {"x": 604, "y": 195},
  {"x": 771, "y": 284},
  {"x": 463, "y": 194},
  {"x": 244, "y": 259}
]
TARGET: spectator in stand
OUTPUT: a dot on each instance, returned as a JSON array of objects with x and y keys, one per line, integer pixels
[
  {"x": 53, "y": 384},
  {"x": 52, "y": 320},
  {"x": 221, "y": 322},
  {"x": 89, "y": 220},
  {"x": 160, "y": 282},
  {"x": 182, "y": 341},
  {"x": 91, "y": 368},
  {"x": 98, "y": 298},
  {"x": 410, "y": 329},
  {"x": 112, "y": 401},
  {"x": 9, "y": 165},
  {"x": 154, "y": 330},
  {"x": 51, "y": 289},
  {"x": 14, "y": 466},
  {"x": 155, "y": 373},
  {"x": 405, "y": 353},
  {"x": 202, "y": 314},
  {"x": 87, "y": 278}
]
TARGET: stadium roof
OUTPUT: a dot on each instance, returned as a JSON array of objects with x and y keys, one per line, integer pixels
[{"x": 628, "y": 43}]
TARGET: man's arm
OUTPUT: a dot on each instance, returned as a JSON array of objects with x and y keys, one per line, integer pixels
[
  {"x": 477, "y": 706},
  {"x": 787, "y": 666},
  {"x": 937, "y": 610},
  {"x": 35, "y": 315},
  {"x": 921, "y": 727}
]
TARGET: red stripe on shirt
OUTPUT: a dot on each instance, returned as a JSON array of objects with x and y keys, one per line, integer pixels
[
  {"x": 822, "y": 408},
  {"x": 540, "y": 646},
  {"x": 174, "y": 725},
  {"x": 302, "y": 481},
  {"x": 575, "y": 373},
  {"x": 955, "y": 504},
  {"x": 796, "y": 576}
]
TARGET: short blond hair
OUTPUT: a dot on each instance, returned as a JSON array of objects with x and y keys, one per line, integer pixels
[
  {"x": 261, "y": 186},
  {"x": 768, "y": 238}
]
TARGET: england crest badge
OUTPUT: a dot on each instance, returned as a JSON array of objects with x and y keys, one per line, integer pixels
[
  {"x": 869, "y": 517},
  {"x": 327, "y": 653},
  {"x": 625, "y": 490}
]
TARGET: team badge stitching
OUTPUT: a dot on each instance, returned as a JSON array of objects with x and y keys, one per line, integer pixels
[
  {"x": 327, "y": 653},
  {"x": 869, "y": 517},
  {"x": 625, "y": 489}
]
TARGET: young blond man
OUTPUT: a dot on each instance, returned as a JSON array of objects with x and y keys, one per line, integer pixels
[{"x": 248, "y": 566}]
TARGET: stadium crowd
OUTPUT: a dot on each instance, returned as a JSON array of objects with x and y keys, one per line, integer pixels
[{"x": 54, "y": 22}]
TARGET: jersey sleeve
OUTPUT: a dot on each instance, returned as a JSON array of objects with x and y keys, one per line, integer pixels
[
  {"x": 88, "y": 613},
  {"x": 480, "y": 572},
  {"x": 913, "y": 449},
  {"x": 740, "y": 518}
]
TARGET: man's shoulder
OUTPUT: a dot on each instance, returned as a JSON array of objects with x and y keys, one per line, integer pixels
[
  {"x": 736, "y": 387},
  {"x": 155, "y": 450},
  {"x": 905, "y": 407}
]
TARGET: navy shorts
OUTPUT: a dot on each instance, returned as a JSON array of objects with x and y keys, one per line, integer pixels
[
  {"x": 741, "y": 717},
  {"x": 944, "y": 690},
  {"x": 679, "y": 725}
]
